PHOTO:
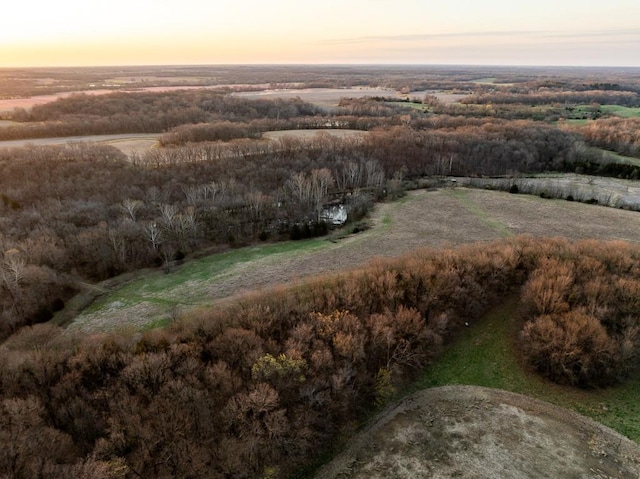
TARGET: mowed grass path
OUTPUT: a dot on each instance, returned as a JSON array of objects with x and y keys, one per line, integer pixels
[
  {"x": 154, "y": 299},
  {"x": 435, "y": 218},
  {"x": 621, "y": 111},
  {"x": 487, "y": 354}
]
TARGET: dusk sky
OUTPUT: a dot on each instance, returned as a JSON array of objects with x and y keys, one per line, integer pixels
[{"x": 162, "y": 32}]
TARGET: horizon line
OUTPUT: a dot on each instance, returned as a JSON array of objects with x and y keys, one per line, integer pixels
[{"x": 328, "y": 64}]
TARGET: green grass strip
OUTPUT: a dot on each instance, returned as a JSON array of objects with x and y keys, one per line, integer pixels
[
  {"x": 461, "y": 195},
  {"x": 486, "y": 354},
  {"x": 625, "y": 160},
  {"x": 166, "y": 288},
  {"x": 621, "y": 111}
]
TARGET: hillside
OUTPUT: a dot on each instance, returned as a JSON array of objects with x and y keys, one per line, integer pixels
[
  {"x": 433, "y": 218},
  {"x": 470, "y": 431}
]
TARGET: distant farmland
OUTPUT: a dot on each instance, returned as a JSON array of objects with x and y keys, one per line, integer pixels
[
  {"x": 306, "y": 134},
  {"x": 127, "y": 143},
  {"x": 328, "y": 97}
]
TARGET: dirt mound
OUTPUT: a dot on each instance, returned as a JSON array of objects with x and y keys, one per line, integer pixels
[{"x": 468, "y": 431}]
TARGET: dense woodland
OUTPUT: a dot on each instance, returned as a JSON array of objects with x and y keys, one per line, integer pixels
[
  {"x": 85, "y": 213},
  {"x": 252, "y": 390},
  {"x": 621, "y": 135}
]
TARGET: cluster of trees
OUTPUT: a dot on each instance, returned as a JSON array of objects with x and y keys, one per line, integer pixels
[
  {"x": 583, "y": 314},
  {"x": 246, "y": 392},
  {"x": 80, "y": 212},
  {"x": 547, "y": 97},
  {"x": 145, "y": 112},
  {"x": 485, "y": 148},
  {"x": 621, "y": 135},
  {"x": 253, "y": 390},
  {"x": 429, "y": 146}
]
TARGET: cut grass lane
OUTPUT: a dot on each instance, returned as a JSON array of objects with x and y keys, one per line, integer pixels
[
  {"x": 487, "y": 354},
  {"x": 474, "y": 208},
  {"x": 621, "y": 111},
  {"x": 188, "y": 284}
]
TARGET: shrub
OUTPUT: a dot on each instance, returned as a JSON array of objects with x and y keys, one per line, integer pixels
[
  {"x": 573, "y": 348},
  {"x": 582, "y": 307}
]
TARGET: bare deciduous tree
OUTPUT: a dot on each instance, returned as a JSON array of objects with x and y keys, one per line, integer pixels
[{"x": 130, "y": 207}]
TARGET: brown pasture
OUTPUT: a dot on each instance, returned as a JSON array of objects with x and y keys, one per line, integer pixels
[
  {"x": 307, "y": 134},
  {"x": 436, "y": 218}
]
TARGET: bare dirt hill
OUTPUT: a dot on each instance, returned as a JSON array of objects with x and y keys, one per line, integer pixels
[{"x": 474, "y": 432}]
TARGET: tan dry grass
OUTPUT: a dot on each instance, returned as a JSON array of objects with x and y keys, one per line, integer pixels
[
  {"x": 328, "y": 97},
  {"x": 436, "y": 218},
  {"x": 127, "y": 143},
  {"x": 306, "y": 134}
]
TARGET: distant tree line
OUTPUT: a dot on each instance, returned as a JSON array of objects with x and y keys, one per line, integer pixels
[
  {"x": 144, "y": 113},
  {"x": 542, "y": 97}
]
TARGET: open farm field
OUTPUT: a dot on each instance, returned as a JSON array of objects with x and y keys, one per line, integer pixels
[
  {"x": 8, "y": 105},
  {"x": 327, "y": 97},
  {"x": 613, "y": 192},
  {"x": 622, "y": 111},
  {"x": 130, "y": 143},
  {"x": 127, "y": 143},
  {"x": 446, "y": 97},
  {"x": 306, "y": 134},
  {"x": 133, "y": 143},
  {"x": 445, "y": 217}
]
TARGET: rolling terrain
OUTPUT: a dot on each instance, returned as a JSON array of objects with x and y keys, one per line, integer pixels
[
  {"x": 424, "y": 218},
  {"x": 250, "y": 358}
]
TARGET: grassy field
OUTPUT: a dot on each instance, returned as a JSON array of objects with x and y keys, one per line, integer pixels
[
  {"x": 625, "y": 160},
  {"x": 575, "y": 122},
  {"x": 127, "y": 143},
  {"x": 487, "y": 355},
  {"x": 621, "y": 111},
  {"x": 157, "y": 297},
  {"x": 423, "y": 218},
  {"x": 311, "y": 133},
  {"x": 613, "y": 192},
  {"x": 484, "y": 355}
]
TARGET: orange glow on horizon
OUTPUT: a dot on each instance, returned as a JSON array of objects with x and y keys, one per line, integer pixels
[{"x": 138, "y": 32}]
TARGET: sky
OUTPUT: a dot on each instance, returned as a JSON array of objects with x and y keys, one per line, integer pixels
[{"x": 191, "y": 32}]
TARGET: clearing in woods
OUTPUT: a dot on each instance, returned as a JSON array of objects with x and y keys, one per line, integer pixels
[
  {"x": 424, "y": 218},
  {"x": 451, "y": 425},
  {"x": 469, "y": 432},
  {"x": 622, "y": 111},
  {"x": 127, "y": 142},
  {"x": 312, "y": 133}
]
